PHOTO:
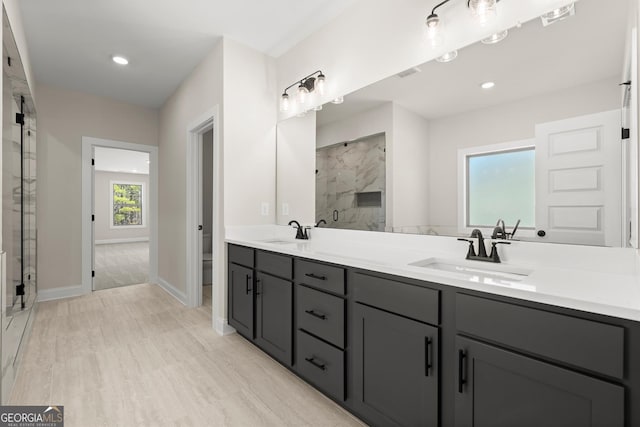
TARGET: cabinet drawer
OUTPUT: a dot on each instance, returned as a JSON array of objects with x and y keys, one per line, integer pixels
[
  {"x": 241, "y": 255},
  {"x": 278, "y": 265},
  {"x": 406, "y": 300},
  {"x": 320, "y": 314},
  {"x": 320, "y": 364},
  {"x": 583, "y": 343},
  {"x": 320, "y": 276}
]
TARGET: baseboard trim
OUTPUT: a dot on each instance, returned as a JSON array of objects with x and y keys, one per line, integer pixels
[
  {"x": 114, "y": 241},
  {"x": 223, "y": 328},
  {"x": 60, "y": 293},
  {"x": 172, "y": 290}
]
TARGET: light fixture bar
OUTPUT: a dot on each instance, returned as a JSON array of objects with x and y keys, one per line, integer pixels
[{"x": 306, "y": 85}]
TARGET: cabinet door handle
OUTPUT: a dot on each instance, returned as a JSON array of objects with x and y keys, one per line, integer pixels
[
  {"x": 428, "y": 355},
  {"x": 258, "y": 286},
  {"x": 314, "y": 314},
  {"x": 461, "y": 377},
  {"x": 318, "y": 365},
  {"x": 249, "y": 278},
  {"x": 314, "y": 276}
]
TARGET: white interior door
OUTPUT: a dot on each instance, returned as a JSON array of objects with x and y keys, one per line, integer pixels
[{"x": 579, "y": 180}]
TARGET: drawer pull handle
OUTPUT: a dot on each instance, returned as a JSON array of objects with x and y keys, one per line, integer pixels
[
  {"x": 248, "y": 284},
  {"x": 318, "y": 365},
  {"x": 314, "y": 314},
  {"x": 461, "y": 379},
  {"x": 428, "y": 355},
  {"x": 315, "y": 276}
]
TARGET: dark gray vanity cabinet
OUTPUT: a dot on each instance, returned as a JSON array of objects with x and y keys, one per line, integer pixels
[
  {"x": 241, "y": 279},
  {"x": 320, "y": 326},
  {"x": 274, "y": 305},
  {"x": 499, "y": 388},
  {"x": 395, "y": 358}
]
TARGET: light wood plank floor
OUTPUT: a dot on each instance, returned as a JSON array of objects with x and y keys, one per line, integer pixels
[{"x": 134, "y": 356}]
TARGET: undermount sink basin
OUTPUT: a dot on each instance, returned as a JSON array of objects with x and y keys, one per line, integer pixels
[
  {"x": 281, "y": 242},
  {"x": 476, "y": 271}
]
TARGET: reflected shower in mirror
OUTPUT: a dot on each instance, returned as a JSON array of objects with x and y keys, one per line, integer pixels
[{"x": 452, "y": 130}]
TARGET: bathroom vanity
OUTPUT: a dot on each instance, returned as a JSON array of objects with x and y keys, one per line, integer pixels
[{"x": 411, "y": 346}]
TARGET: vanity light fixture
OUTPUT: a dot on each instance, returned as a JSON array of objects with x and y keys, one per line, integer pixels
[
  {"x": 495, "y": 38},
  {"x": 487, "y": 85},
  {"x": 558, "y": 14},
  {"x": 448, "y": 57},
  {"x": 482, "y": 10},
  {"x": 120, "y": 60},
  {"x": 306, "y": 86}
]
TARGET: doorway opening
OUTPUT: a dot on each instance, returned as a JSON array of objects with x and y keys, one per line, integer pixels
[
  {"x": 119, "y": 214},
  {"x": 120, "y": 222}
]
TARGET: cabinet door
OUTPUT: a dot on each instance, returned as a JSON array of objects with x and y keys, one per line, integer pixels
[
  {"x": 395, "y": 369},
  {"x": 499, "y": 388},
  {"x": 274, "y": 314},
  {"x": 241, "y": 283}
]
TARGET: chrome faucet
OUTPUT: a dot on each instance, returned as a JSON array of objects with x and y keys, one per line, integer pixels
[
  {"x": 301, "y": 233},
  {"x": 482, "y": 251}
]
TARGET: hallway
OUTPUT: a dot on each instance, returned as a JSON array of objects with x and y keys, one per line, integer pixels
[{"x": 135, "y": 356}]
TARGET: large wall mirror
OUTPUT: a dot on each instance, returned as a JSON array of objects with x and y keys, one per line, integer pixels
[{"x": 525, "y": 131}]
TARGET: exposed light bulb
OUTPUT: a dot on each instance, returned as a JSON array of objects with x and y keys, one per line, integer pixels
[
  {"x": 448, "y": 57},
  {"x": 120, "y": 60},
  {"x": 495, "y": 38},
  {"x": 321, "y": 84},
  {"x": 284, "y": 103},
  {"x": 433, "y": 29},
  {"x": 483, "y": 10},
  {"x": 303, "y": 93}
]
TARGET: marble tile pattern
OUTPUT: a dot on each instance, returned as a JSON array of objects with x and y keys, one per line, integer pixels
[
  {"x": 342, "y": 171},
  {"x": 135, "y": 356}
]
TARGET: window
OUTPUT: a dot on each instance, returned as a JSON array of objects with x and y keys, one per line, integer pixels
[
  {"x": 499, "y": 183},
  {"x": 126, "y": 204}
]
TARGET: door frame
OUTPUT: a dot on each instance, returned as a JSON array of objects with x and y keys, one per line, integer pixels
[
  {"x": 195, "y": 129},
  {"x": 88, "y": 145}
]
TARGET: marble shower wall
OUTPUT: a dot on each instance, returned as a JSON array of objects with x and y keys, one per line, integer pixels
[{"x": 343, "y": 173}]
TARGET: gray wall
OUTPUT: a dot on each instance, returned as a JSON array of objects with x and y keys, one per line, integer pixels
[{"x": 103, "y": 231}]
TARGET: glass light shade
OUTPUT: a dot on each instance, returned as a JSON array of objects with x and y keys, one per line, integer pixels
[
  {"x": 448, "y": 57},
  {"x": 321, "y": 84},
  {"x": 303, "y": 94},
  {"x": 434, "y": 30},
  {"x": 495, "y": 38},
  {"x": 483, "y": 10},
  {"x": 284, "y": 103}
]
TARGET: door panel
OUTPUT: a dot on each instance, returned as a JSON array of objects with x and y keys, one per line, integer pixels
[
  {"x": 579, "y": 180},
  {"x": 497, "y": 388},
  {"x": 241, "y": 284},
  {"x": 395, "y": 368},
  {"x": 274, "y": 314}
]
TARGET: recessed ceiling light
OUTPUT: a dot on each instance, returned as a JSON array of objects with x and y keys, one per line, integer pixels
[
  {"x": 120, "y": 60},
  {"x": 558, "y": 14},
  {"x": 487, "y": 85},
  {"x": 495, "y": 38},
  {"x": 448, "y": 57}
]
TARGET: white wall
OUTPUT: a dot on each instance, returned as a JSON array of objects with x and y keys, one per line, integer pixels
[
  {"x": 103, "y": 231},
  {"x": 508, "y": 122},
  {"x": 409, "y": 175},
  {"x": 374, "y": 40},
  {"x": 64, "y": 117},
  {"x": 199, "y": 93},
  {"x": 245, "y": 80},
  {"x": 296, "y": 174}
]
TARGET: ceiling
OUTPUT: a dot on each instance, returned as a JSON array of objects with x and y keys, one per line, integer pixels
[
  {"x": 532, "y": 60},
  {"x": 115, "y": 160},
  {"x": 71, "y": 42}
]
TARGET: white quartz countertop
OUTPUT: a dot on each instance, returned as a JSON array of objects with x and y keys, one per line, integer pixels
[{"x": 597, "y": 280}]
